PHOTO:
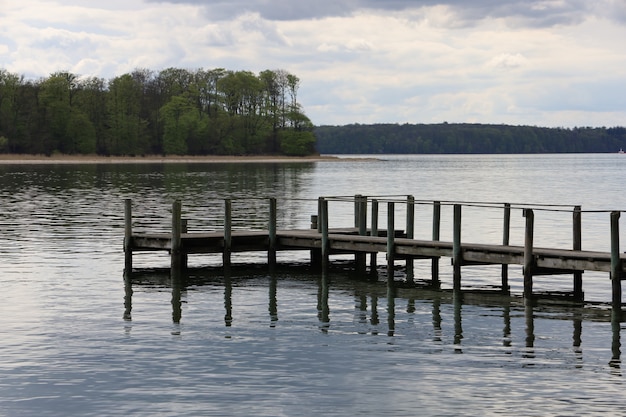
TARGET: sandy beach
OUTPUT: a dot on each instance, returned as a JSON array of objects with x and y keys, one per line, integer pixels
[{"x": 97, "y": 159}]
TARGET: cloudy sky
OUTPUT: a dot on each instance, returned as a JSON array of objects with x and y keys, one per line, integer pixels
[{"x": 530, "y": 62}]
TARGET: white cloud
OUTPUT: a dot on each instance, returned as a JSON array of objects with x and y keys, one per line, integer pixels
[
  {"x": 507, "y": 61},
  {"x": 537, "y": 62}
]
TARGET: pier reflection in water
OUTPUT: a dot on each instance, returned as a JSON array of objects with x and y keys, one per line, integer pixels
[{"x": 367, "y": 312}]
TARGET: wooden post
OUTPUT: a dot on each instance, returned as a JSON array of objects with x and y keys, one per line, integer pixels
[
  {"x": 319, "y": 214},
  {"x": 390, "y": 241},
  {"x": 184, "y": 257},
  {"x": 436, "y": 236},
  {"x": 357, "y": 207},
  {"x": 410, "y": 217},
  {"x": 410, "y": 234},
  {"x": 316, "y": 254},
  {"x": 228, "y": 224},
  {"x": 360, "y": 257},
  {"x": 374, "y": 232},
  {"x": 175, "y": 251},
  {"x": 325, "y": 243},
  {"x": 579, "y": 295},
  {"x": 128, "y": 235},
  {"x": 616, "y": 266},
  {"x": 506, "y": 233},
  {"x": 529, "y": 261},
  {"x": 457, "y": 254},
  {"x": 362, "y": 218},
  {"x": 271, "y": 253}
]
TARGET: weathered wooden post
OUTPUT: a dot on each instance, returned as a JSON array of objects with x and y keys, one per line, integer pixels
[
  {"x": 357, "y": 208},
  {"x": 325, "y": 243},
  {"x": 128, "y": 235},
  {"x": 316, "y": 254},
  {"x": 410, "y": 234},
  {"x": 319, "y": 213},
  {"x": 579, "y": 295},
  {"x": 228, "y": 224},
  {"x": 184, "y": 257},
  {"x": 390, "y": 241},
  {"x": 362, "y": 217},
  {"x": 374, "y": 232},
  {"x": 361, "y": 257},
  {"x": 506, "y": 233},
  {"x": 457, "y": 255},
  {"x": 529, "y": 261},
  {"x": 175, "y": 250},
  {"x": 271, "y": 252},
  {"x": 616, "y": 266},
  {"x": 436, "y": 236}
]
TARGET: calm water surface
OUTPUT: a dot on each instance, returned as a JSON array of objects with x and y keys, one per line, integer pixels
[{"x": 76, "y": 339}]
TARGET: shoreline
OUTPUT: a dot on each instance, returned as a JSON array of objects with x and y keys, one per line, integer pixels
[{"x": 17, "y": 159}]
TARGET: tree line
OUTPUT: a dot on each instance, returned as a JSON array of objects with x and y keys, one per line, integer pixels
[
  {"x": 451, "y": 138},
  {"x": 173, "y": 111}
]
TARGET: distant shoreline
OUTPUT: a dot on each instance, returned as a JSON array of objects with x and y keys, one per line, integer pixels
[{"x": 16, "y": 159}]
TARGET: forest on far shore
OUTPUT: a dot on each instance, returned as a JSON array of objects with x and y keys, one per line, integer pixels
[
  {"x": 450, "y": 138},
  {"x": 170, "y": 112}
]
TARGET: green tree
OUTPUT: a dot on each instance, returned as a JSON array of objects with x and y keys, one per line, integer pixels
[
  {"x": 91, "y": 98},
  {"x": 182, "y": 123},
  {"x": 127, "y": 130},
  {"x": 10, "y": 85}
]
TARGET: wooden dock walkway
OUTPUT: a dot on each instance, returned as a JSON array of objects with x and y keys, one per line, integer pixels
[{"x": 361, "y": 240}]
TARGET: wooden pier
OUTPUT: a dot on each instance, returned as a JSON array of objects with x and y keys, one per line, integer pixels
[{"x": 362, "y": 239}]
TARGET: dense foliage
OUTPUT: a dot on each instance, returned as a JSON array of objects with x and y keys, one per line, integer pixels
[
  {"x": 465, "y": 138},
  {"x": 174, "y": 111}
]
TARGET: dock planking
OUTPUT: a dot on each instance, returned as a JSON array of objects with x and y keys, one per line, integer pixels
[{"x": 361, "y": 240}]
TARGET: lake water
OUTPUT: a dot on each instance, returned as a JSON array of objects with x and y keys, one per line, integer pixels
[{"x": 77, "y": 339}]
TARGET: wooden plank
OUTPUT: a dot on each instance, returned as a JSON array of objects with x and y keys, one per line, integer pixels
[{"x": 471, "y": 253}]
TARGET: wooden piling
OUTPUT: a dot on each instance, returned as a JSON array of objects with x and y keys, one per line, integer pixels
[
  {"x": 324, "y": 226},
  {"x": 357, "y": 208},
  {"x": 506, "y": 233},
  {"x": 128, "y": 235},
  {"x": 271, "y": 252},
  {"x": 577, "y": 245},
  {"x": 410, "y": 234},
  {"x": 228, "y": 224},
  {"x": 184, "y": 257},
  {"x": 319, "y": 214},
  {"x": 175, "y": 250},
  {"x": 361, "y": 218},
  {"x": 374, "y": 232},
  {"x": 434, "y": 268},
  {"x": 316, "y": 254},
  {"x": 529, "y": 261},
  {"x": 616, "y": 266},
  {"x": 457, "y": 255},
  {"x": 390, "y": 241}
]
